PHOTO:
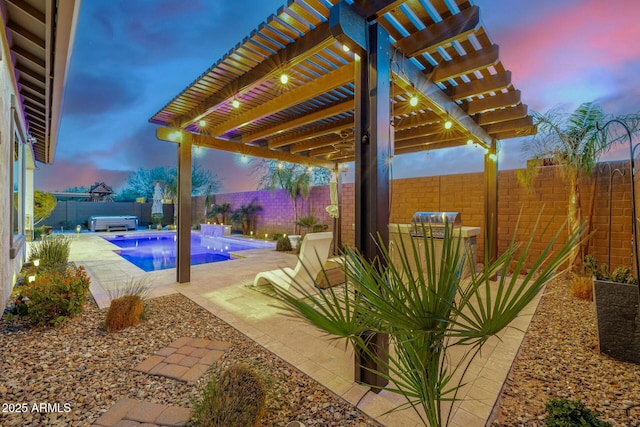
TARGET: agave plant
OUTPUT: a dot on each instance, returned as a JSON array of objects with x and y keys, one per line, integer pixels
[{"x": 427, "y": 309}]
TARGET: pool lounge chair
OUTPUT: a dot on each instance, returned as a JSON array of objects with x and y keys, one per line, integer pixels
[{"x": 313, "y": 255}]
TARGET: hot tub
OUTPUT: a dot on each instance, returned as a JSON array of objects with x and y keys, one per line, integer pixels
[{"x": 116, "y": 222}]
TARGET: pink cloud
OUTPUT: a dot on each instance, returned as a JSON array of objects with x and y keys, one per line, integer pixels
[
  {"x": 68, "y": 174},
  {"x": 579, "y": 41}
]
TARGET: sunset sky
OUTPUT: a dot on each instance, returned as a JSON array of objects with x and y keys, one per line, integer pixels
[{"x": 132, "y": 58}]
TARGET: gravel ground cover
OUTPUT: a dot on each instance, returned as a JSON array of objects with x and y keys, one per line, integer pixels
[
  {"x": 78, "y": 371},
  {"x": 559, "y": 358}
]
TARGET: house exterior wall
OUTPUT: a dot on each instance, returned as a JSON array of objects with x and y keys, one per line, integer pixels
[{"x": 12, "y": 249}]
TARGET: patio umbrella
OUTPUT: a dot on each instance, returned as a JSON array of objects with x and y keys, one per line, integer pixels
[
  {"x": 332, "y": 209},
  {"x": 156, "y": 208}
]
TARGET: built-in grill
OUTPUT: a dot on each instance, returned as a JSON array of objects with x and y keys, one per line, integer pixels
[{"x": 434, "y": 223}]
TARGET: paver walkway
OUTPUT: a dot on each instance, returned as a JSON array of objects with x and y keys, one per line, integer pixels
[
  {"x": 185, "y": 359},
  {"x": 136, "y": 413}
]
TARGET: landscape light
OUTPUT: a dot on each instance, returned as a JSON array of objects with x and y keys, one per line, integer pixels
[
  {"x": 413, "y": 101},
  {"x": 32, "y": 279},
  {"x": 235, "y": 103},
  {"x": 284, "y": 79},
  {"x": 280, "y": 165},
  {"x": 36, "y": 262},
  {"x": 448, "y": 124}
]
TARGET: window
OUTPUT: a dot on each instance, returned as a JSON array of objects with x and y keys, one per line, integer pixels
[{"x": 17, "y": 195}]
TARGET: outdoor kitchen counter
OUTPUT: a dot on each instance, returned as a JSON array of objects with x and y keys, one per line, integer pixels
[
  {"x": 465, "y": 232},
  {"x": 400, "y": 234}
]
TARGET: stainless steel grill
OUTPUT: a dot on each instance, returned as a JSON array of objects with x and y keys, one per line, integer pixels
[{"x": 434, "y": 223}]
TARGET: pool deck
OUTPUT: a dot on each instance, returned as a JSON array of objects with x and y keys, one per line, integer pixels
[{"x": 219, "y": 288}]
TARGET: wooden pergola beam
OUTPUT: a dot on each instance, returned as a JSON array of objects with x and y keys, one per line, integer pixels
[
  {"x": 419, "y": 132},
  {"x": 316, "y": 143},
  {"x": 440, "y": 142},
  {"x": 444, "y": 32},
  {"x": 329, "y": 128},
  {"x": 523, "y": 131},
  {"x": 414, "y": 120},
  {"x": 426, "y": 146},
  {"x": 492, "y": 83},
  {"x": 312, "y": 42},
  {"x": 499, "y": 100},
  {"x": 174, "y": 135},
  {"x": 306, "y": 119},
  {"x": 525, "y": 122},
  {"x": 413, "y": 79},
  {"x": 467, "y": 64},
  {"x": 317, "y": 87},
  {"x": 503, "y": 115},
  {"x": 372, "y": 9}
]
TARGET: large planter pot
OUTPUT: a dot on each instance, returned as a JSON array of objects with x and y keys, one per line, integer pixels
[{"x": 618, "y": 319}]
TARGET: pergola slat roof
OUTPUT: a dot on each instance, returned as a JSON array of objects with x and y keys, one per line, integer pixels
[{"x": 442, "y": 54}]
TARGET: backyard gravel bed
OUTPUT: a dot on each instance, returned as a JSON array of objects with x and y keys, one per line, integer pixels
[
  {"x": 85, "y": 370},
  {"x": 559, "y": 358}
]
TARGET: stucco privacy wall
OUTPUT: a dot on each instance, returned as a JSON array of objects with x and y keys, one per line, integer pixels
[
  {"x": 8, "y": 267},
  {"x": 277, "y": 208}
]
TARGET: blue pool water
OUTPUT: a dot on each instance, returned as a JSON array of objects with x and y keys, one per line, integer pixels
[{"x": 157, "y": 251}]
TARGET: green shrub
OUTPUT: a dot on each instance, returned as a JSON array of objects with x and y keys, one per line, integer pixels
[
  {"x": 53, "y": 252},
  {"x": 569, "y": 413},
  {"x": 236, "y": 399},
  {"x": 284, "y": 244},
  {"x": 53, "y": 296}
]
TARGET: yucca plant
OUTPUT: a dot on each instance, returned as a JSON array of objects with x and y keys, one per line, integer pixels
[{"x": 427, "y": 311}]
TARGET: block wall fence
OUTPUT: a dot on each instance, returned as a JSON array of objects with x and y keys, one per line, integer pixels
[{"x": 464, "y": 193}]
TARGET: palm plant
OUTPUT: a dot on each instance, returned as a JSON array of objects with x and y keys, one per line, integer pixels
[
  {"x": 222, "y": 211},
  {"x": 428, "y": 311},
  {"x": 574, "y": 142},
  {"x": 245, "y": 215},
  {"x": 292, "y": 178}
]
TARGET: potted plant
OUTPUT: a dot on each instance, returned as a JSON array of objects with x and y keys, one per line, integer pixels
[
  {"x": 157, "y": 218},
  {"x": 617, "y": 316}
]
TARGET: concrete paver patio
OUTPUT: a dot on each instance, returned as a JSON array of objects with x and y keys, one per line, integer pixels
[{"x": 219, "y": 288}]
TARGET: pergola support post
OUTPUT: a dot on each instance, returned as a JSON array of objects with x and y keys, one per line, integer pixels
[
  {"x": 491, "y": 202},
  {"x": 183, "y": 257},
  {"x": 372, "y": 155}
]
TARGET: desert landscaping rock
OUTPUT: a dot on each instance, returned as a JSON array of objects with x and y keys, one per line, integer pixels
[
  {"x": 559, "y": 358},
  {"x": 83, "y": 367}
]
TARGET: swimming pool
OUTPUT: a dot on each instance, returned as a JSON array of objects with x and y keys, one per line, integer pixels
[{"x": 157, "y": 251}]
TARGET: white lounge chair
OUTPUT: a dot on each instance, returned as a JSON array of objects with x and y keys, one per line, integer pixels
[{"x": 313, "y": 255}]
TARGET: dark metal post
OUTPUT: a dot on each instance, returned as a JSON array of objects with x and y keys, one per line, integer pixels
[
  {"x": 491, "y": 202},
  {"x": 372, "y": 154},
  {"x": 183, "y": 256}
]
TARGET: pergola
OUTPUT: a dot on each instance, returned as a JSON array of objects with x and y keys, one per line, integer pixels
[{"x": 366, "y": 80}]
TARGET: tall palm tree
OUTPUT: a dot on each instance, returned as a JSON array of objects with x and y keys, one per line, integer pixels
[
  {"x": 574, "y": 142},
  {"x": 296, "y": 182}
]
